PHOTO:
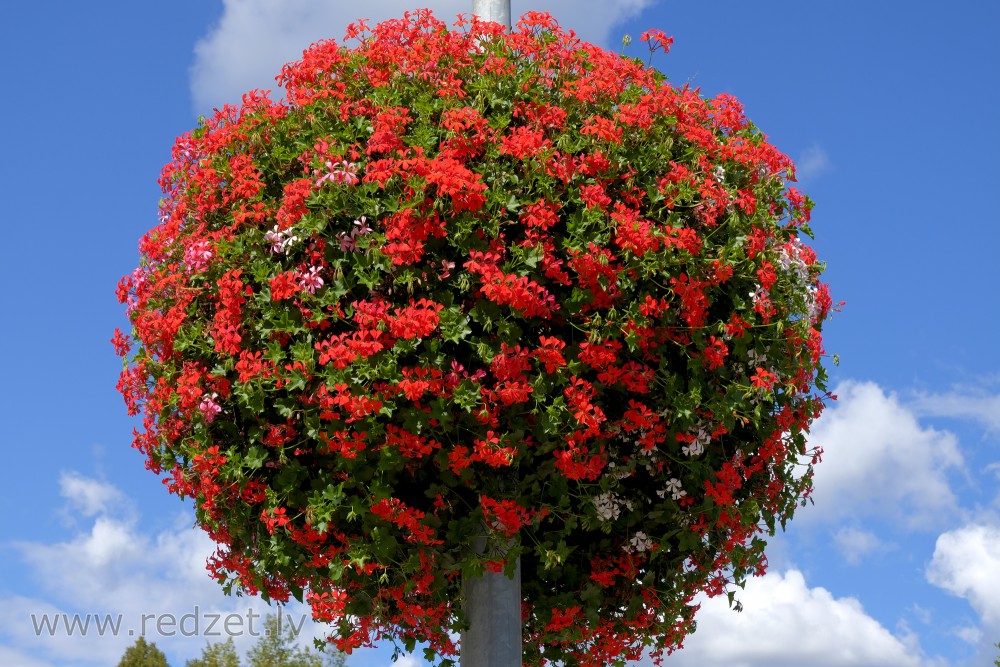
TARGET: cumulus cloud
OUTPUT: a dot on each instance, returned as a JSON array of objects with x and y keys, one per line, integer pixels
[
  {"x": 785, "y": 623},
  {"x": 89, "y": 496},
  {"x": 144, "y": 580},
  {"x": 254, "y": 38},
  {"x": 880, "y": 461},
  {"x": 118, "y": 566},
  {"x": 966, "y": 563}
]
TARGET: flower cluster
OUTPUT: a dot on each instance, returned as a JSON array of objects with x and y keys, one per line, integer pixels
[{"x": 474, "y": 284}]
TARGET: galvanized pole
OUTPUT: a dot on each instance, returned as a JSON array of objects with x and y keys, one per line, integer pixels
[
  {"x": 493, "y": 10},
  {"x": 492, "y": 607},
  {"x": 492, "y": 603}
]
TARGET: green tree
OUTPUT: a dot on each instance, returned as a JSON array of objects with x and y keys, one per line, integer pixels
[
  {"x": 277, "y": 647},
  {"x": 142, "y": 654},
  {"x": 997, "y": 661},
  {"x": 333, "y": 658},
  {"x": 219, "y": 654}
]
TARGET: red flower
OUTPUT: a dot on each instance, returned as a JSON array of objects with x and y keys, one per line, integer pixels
[
  {"x": 541, "y": 214},
  {"x": 549, "y": 353},
  {"x": 121, "y": 343},
  {"x": 657, "y": 40},
  {"x": 594, "y": 196},
  {"x": 714, "y": 353},
  {"x": 763, "y": 379},
  {"x": 492, "y": 453},
  {"x": 505, "y": 516},
  {"x": 602, "y": 128},
  {"x": 417, "y": 320},
  {"x": 694, "y": 301},
  {"x": 767, "y": 275},
  {"x": 293, "y": 206},
  {"x": 407, "y": 518},
  {"x": 283, "y": 286},
  {"x": 523, "y": 142}
]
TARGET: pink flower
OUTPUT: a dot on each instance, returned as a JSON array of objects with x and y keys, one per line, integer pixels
[
  {"x": 446, "y": 268},
  {"x": 198, "y": 255},
  {"x": 279, "y": 241},
  {"x": 209, "y": 408},
  {"x": 348, "y": 243},
  {"x": 341, "y": 172},
  {"x": 311, "y": 281}
]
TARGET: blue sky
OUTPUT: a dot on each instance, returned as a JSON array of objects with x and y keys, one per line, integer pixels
[{"x": 890, "y": 110}]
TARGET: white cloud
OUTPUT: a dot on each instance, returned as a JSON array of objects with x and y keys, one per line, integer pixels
[
  {"x": 17, "y": 659},
  {"x": 89, "y": 496},
  {"x": 855, "y": 544},
  {"x": 117, "y": 567},
  {"x": 254, "y": 38},
  {"x": 812, "y": 163},
  {"x": 966, "y": 563},
  {"x": 879, "y": 460},
  {"x": 785, "y": 623},
  {"x": 965, "y": 404},
  {"x": 969, "y": 634}
]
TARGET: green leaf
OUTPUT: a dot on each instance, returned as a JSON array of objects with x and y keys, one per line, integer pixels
[
  {"x": 254, "y": 458},
  {"x": 454, "y": 324}
]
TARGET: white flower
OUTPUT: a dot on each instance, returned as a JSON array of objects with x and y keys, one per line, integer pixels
[
  {"x": 756, "y": 358},
  {"x": 674, "y": 489},
  {"x": 617, "y": 474},
  {"x": 790, "y": 260},
  {"x": 697, "y": 447},
  {"x": 694, "y": 449},
  {"x": 608, "y": 506},
  {"x": 640, "y": 542}
]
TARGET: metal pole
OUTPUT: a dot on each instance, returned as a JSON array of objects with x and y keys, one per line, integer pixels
[
  {"x": 492, "y": 602},
  {"x": 492, "y": 608},
  {"x": 493, "y": 10}
]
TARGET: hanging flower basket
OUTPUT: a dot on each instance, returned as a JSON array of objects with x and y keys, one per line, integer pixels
[{"x": 469, "y": 277}]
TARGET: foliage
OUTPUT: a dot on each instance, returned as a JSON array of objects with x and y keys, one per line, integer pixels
[
  {"x": 333, "y": 658},
  {"x": 276, "y": 647},
  {"x": 219, "y": 654},
  {"x": 474, "y": 283},
  {"x": 141, "y": 654}
]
